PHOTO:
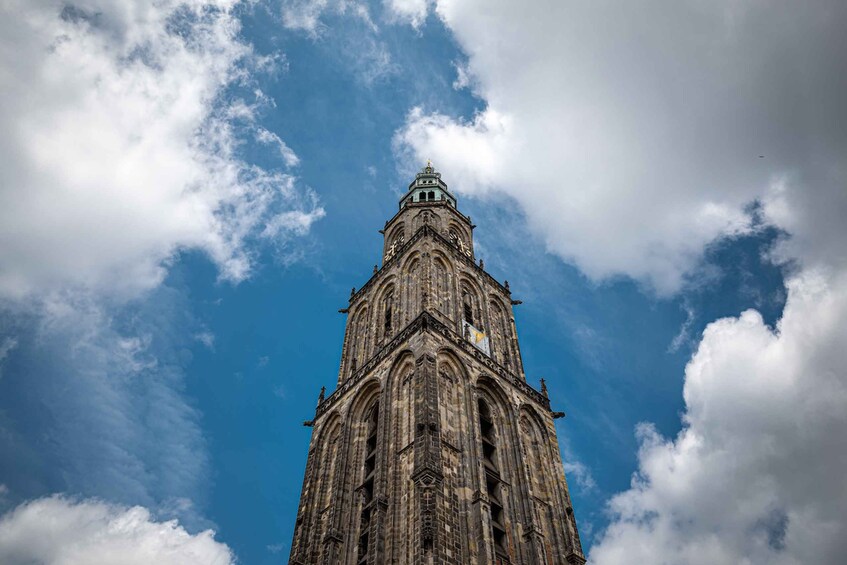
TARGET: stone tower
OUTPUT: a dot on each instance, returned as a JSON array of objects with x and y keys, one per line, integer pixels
[{"x": 433, "y": 449}]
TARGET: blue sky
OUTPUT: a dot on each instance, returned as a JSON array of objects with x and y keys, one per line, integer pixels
[{"x": 189, "y": 191}]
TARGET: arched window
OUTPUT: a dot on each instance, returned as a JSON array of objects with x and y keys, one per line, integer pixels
[
  {"x": 538, "y": 467},
  {"x": 533, "y": 458},
  {"x": 431, "y": 195},
  {"x": 470, "y": 307},
  {"x": 442, "y": 283},
  {"x": 367, "y": 489},
  {"x": 412, "y": 289},
  {"x": 325, "y": 474},
  {"x": 493, "y": 481},
  {"x": 359, "y": 339},
  {"x": 503, "y": 341},
  {"x": 387, "y": 314}
]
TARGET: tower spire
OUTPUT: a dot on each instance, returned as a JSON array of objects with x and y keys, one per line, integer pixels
[
  {"x": 433, "y": 448},
  {"x": 428, "y": 187}
]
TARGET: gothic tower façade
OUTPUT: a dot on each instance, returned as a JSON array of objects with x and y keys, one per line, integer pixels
[{"x": 433, "y": 449}]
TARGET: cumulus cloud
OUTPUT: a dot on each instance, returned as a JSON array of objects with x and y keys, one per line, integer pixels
[
  {"x": 121, "y": 129},
  {"x": 118, "y": 149},
  {"x": 630, "y": 135},
  {"x": 58, "y": 531},
  {"x": 757, "y": 473}
]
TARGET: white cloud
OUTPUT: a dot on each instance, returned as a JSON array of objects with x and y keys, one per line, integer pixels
[
  {"x": 276, "y": 548},
  {"x": 58, "y": 531},
  {"x": 684, "y": 334},
  {"x": 120, "y": 129},
  {"x": 630, "y": 135},
  {"x": 413, "y": 12},
  {"x": 109, "y": 384},
  {"x": 306, "y": 14},
  {"x": 757, "y": 474},
  {"x": 577, "y": 470},
  {"x": 207, "y": 339},
  {"x": 358, "y": 46},
  {"x": 463, "y": 76},
  {"x": 6, "y": 347},
  {"x": 117, "y": 150},
  {"x": 264, "y": 136}
]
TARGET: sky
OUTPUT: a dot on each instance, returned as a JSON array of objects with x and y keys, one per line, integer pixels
[{"x": 189, "y": 189}]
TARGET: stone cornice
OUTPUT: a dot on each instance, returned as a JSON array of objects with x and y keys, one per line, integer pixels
[{"x": 427, "y": 322}]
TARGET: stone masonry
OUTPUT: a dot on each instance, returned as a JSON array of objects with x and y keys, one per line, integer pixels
[{"x": 433, "y": 449}]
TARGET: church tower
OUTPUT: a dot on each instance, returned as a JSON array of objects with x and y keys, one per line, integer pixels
[{"x": 433, "y": 449}]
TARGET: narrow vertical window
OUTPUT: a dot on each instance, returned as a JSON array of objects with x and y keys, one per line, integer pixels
[
  {"x": 367, "y": 488},
  {"x": 387, "y": 315},
  {"x": 493, "y": 482},
  {"x": 468, "y": 308}
]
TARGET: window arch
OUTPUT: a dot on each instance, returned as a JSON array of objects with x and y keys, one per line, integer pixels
[
  {"x": 359, "y": 338},
  {"x": 411, "y": 287},
  {"x": 443, "y": 286},
  {"x": 470, "y": 305},
  {"x": 387, "y": 314},
  {"x": 490, "y": 442},
  {"x": 327, "y": 453},
  {"x": 541, "y": 479},
  {"x": 501, "y": 330},
  {"x": 386, "y": 323},
  {"x": 534, "y": 459},
  {"x": 369, "y": 469}
]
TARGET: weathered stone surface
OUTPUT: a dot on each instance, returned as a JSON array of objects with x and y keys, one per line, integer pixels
[{"x": 431, "y": 450}]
